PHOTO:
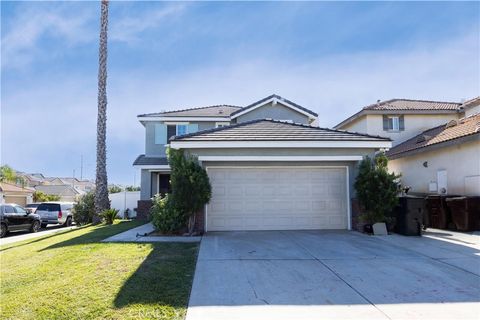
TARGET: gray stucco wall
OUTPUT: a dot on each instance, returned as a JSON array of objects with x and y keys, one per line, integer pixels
[
  {"x": 277, "y": 112},
  {"x": 158, "y": 150},
  {"x": 145, "y": 184}
]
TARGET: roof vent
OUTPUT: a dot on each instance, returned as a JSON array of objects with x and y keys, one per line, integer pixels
[
  {"x": 451, "y": 123},
  {"x": 422, "y": 138},
  {"x": 220, "y": 111}
]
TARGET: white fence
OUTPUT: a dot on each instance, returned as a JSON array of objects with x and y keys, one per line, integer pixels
[{"x": 123, "y": 200}]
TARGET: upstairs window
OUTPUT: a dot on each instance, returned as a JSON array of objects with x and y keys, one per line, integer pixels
[
  {"x": 181, "y": 129},
  {"x": 393, "y": 123}
]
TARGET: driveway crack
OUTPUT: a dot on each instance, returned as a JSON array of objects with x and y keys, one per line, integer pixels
[{"x": 255, "y": 292}]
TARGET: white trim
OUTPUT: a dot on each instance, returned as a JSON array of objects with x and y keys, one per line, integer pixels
[
  {"x": 175, "y": 123},
  {"x": 349, "y": 201},
  {"x": 174, "y": 119},
  {"x": 347, "y": 183},
  {"x": 147, "y": 167},
  {"x": 273, "y": 100},
  {"x": 280, "y": 158},
  {"x": 179, "y": 144}
]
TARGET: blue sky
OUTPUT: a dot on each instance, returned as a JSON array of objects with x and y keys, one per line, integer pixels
[{"x": 330, "y": 57}]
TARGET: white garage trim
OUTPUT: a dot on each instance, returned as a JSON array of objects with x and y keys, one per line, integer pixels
[
  {"x": 347, "y": 186},
  {"x": 280, "y": 158},
  {"x": 185, "y": 144}
]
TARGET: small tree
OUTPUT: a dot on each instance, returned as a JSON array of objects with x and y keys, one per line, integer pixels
[
  {"x": 39, "y": 196},
  {"x": 114, "y": 189},
  {"x": 165, "y": 216},
  {"x": 132, "y": 188},
  {"x": 376, "y": 189},
  {"x": 84, "y": 209},
  {"x": 191, "y": 188}
]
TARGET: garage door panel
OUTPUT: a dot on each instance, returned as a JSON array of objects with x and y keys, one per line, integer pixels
[{"x": 276, "y": 199}]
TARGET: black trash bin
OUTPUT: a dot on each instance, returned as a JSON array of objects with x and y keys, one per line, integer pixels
[
  {"x": 465, "y": 212},
  {"x": 439, "y": 214},
  {"x": 409, "y": 215}
]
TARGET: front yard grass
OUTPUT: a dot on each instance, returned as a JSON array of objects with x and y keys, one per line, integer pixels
[{"x": 73, "y": 275}]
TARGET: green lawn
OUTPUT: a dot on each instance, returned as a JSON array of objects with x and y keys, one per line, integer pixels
[{"x": 73, "y": 275}]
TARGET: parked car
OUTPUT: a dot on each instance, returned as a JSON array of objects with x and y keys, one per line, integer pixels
[
  {"x": 32, "y": 207},
  {"x": 55, "y": 213},
  {"x": 15, "y": 218}
]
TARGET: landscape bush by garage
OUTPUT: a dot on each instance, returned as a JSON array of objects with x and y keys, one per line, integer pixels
[
  {"x": 84, "y": 209},
  {"x": 376, "y": 189},
  {"x": 165, "y": 217},
  {"x": 191, "y": 190}
]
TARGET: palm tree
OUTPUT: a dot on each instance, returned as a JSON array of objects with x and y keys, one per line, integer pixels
[{"x": 101, "y": 190}]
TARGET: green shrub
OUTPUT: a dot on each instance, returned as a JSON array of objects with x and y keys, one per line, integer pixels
[
  {"x": 39, "y": 196},
  {"x": 165, "y": 216},
  {"x": 84, "y": 209},
  {"x": 109, "y": 215},
  {"x": 376, "y": 189},
  {"x": 191, "y": 188}
]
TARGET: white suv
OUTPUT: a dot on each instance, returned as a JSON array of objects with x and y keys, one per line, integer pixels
[{"x": 55, "y": 213}]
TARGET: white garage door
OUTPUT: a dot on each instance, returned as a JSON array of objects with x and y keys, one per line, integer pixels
[{"x": 273, "y": 198}]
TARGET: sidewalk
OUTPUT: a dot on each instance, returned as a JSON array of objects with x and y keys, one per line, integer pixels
[{"x": 140, "y": 234}]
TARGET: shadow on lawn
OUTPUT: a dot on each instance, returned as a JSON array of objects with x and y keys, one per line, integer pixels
[
  {"x": 164, "y": 277},
  {"x": 97, "y": 234},
  {"x": 41, "y": 238}
]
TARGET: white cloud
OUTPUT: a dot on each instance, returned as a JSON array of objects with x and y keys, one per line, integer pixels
[
  {"x": 129, "y": 27},
  {"x": 30, "y": 25}
]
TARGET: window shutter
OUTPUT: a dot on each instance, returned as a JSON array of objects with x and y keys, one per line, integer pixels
[
  {"x": 193, "y": 127},
  {"x": 401, "y": 122},
  {"x": 160, "y": 133},
  {"x": 385, "y": 123}
]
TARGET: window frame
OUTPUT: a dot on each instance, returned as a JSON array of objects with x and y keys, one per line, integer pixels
[
  {"x": 393, "y": 123},
  {"x": 222, "y": 124}
]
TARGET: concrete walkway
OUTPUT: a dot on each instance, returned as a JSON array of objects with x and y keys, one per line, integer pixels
[
  {"x": 335, "y": 275},
  {"x": 13, "y": 237},
  {"x": 140, "y": 234}
]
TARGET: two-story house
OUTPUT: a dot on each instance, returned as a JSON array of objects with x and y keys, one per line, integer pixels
[
  {"x": 401, "y": 119},
  {"x": 436, "y": 145},
  {"x": 270, "y": 166}
]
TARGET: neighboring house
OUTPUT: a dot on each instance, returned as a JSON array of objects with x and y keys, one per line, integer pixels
[
  {"x": 10, "y": 193},
  {"x": 401, "y": 119},
  {"x": 443, "y": 160},
  {"x": 265, "y": 174},
  {"x": 65, "y": 192},
  {"x": 471, "y": 106}
]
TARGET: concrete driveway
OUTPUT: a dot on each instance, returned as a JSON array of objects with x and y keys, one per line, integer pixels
[
  {"x": 335, "y": 275},
  {"x": 13, "y": 237}
]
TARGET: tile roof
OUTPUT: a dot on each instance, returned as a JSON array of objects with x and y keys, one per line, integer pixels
[
  {"x": 279, "y": 98},
  {"x": 7, "y": 187},
  {"x": 210, "y": 111},
  {"x": 453, "y": 130},
  {"x": 275, "y": 130},
  {"x": 408, "y": 104},
  {"x": 62, "y": 189},
  {"x": 404, "y": 105},
  {"x": 143, "y": 160}
]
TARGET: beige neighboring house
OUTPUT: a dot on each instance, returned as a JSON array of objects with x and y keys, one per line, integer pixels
[
  {"x": 67, "y": 193},
  {"x": 471, "y": 106},
  {"x": 10, "y": 193},
  {"x": 401, "y": 119},
  {"x": 444, "y": 159}
]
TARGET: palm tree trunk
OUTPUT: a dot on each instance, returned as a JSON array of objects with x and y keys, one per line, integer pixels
[{"x": 101, "y": 190}]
